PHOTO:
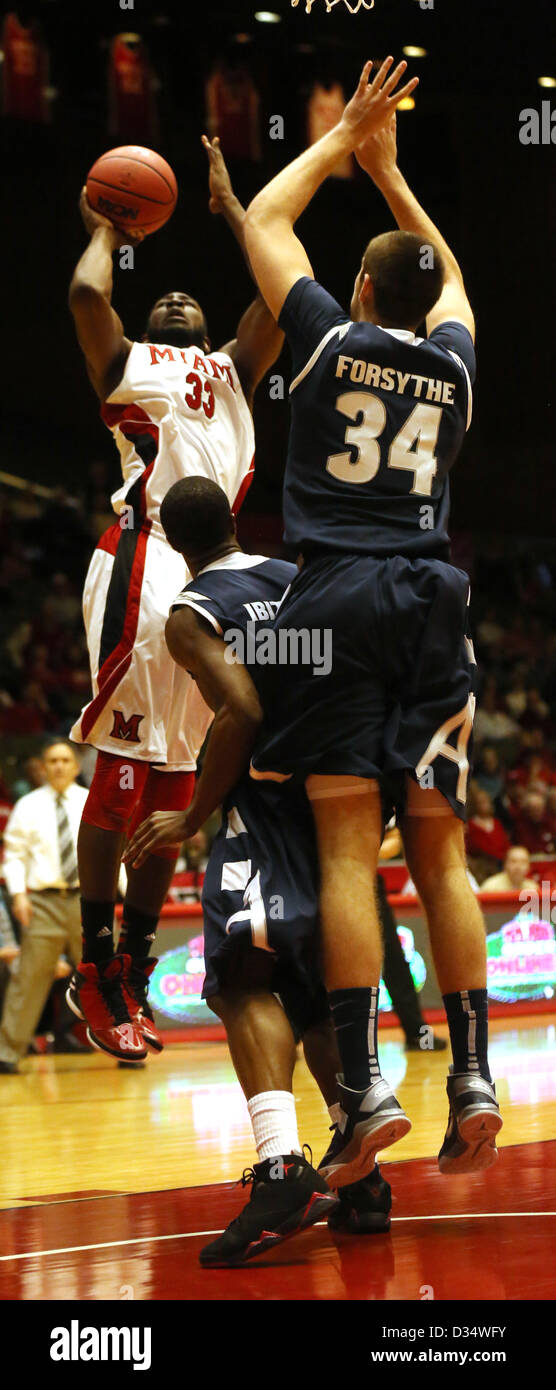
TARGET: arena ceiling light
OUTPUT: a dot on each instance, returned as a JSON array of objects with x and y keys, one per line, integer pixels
[
  {"x": 268, "y": 17},
  {"x": 412, "y": 50},
  {"x": 547, "y": 81},
  {"x": 406, "y": 104}
]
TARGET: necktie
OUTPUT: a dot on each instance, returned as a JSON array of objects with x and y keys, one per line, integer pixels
[{"x": 66, "y": 846}]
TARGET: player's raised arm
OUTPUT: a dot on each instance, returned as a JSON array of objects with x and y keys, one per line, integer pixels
[
  {"x": 377, "y": 155},
  {"x": 277, "y": 256},
  {"x": 227, "y": 689},
  {"x": 258, "y": 341},
  {"x": 99, "y": 330}
]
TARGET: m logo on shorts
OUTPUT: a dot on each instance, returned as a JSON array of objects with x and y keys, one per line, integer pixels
[{"x": 128, "y": 729}]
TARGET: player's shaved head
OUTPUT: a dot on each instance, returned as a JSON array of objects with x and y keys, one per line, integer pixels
[
  {"x": 407, "y": 278},
  {"x": 197, "y": 518}
]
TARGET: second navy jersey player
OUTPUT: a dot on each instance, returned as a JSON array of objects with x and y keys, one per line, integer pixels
[
  {"x": 261, "y": 883},
  {"x": 378, "y": 416}
]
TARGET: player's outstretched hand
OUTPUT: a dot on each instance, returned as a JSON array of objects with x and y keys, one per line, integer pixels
[
  {"x": 377, "y": 154},
  {"x": 220, "y": 184},
  {"x": 160, "y": 828},
  {"x": 373, "y": 102},
  {"x": 93, "y": 219}
]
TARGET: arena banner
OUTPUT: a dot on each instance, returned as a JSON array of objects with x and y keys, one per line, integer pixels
[{"x": 521, "y": 961}]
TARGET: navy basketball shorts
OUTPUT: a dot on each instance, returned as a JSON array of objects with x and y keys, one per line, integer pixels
[
  {"x": 261, "y": 891},
  {"x": 374, "y": 677}
]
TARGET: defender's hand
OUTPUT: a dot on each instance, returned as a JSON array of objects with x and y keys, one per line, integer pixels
[
  {"x": 378, "y": 154},
  {"x": 372, "y": 103},
  {"x": 220, "y": 185},
  {"x": 160, "y": 828}
]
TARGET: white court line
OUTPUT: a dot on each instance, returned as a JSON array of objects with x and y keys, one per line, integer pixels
[{"x": 190, "y": 1235}]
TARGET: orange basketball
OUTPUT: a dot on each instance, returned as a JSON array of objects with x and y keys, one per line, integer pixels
[{"x": 134, "y": 187}]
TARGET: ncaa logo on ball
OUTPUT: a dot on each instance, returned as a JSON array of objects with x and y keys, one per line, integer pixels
[{"x": 115, "y": 209}]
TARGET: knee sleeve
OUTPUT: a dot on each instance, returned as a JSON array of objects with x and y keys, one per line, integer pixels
[{"x": 115, "y": 791}]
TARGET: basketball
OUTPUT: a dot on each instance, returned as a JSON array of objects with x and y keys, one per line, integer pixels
[{"x": 134, "y": 187}]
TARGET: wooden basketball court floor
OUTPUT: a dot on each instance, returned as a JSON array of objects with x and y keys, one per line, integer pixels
[{"x": 112, "y": 1180}]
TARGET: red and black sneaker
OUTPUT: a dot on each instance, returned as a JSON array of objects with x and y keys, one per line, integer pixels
[
  {"x": 365, "y": 1207},
  {"x": 287, "y": 1195},
  {"x": 98, "y": 994},
  {"x": 137, "y": 988}
]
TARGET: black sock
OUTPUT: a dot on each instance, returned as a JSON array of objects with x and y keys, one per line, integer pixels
[
  {"x": 137, "y": 932},
  {"x": 467, "y": 1014},
  {"x": 97, "y": 922},
  {"x": 355, "y": 1016}
]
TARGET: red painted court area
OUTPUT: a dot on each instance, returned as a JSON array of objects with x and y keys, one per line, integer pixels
[{"x": 486, "y": 1237}]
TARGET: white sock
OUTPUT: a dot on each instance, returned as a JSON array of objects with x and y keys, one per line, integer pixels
[{"x": 274, "y": 1124}]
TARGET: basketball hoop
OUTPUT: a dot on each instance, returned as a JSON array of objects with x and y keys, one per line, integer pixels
[{"x": 353, "y": 9}]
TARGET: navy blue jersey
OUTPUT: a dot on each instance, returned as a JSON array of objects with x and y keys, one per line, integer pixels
[
  {"x": 236, "y": 595},
  {"x": 378, "y": 417},
  {"x": 261, "y": 883}
]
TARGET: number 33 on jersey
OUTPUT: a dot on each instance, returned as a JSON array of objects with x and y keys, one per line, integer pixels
[{"x": 178, "y": 412}]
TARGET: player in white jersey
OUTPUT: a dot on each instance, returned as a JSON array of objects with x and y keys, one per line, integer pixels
[{"x": 174, "y": 408}]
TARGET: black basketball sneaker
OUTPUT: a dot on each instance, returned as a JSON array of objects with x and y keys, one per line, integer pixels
[
  {"x": 287, "y": 1195},
  {"x": 364, "y": 1207},
  {"x": 475, "y": 1119},
  {"x": 372, "y": 1120}
]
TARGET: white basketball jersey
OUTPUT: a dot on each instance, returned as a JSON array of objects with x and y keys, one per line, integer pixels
[{"x": 178, "y": 412}]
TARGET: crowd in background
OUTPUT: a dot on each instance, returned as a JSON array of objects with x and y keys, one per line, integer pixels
[{"x": 45, "y": 544}]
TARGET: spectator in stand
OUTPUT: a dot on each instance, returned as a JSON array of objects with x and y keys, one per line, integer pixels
[
  {"x": 515, "y": 698},
  {"x": 37, "y": 668},
  {"x": 490, "y": 775},
  {"x": 46, "y": 630},
  {"x": 31, "y": 714},
  {"x": 534, "y": 772},
  {"x": 486, "y": 840},
  {"x": 490, "y": 632},
  {"x": 551, "y": 810},
  {"x": 33, "y": 776},
  {"x": 63, "y": 603},
  {"x": 536, "y": 714},
  {"x": 533, "y": 824},
  {"x": 513, "y": 878},
  {"x": 187, "y": 883},
  {"x": 522, "y": 638},
  {"x": 492, "y": 723},
  {"x": 17, "y": 642}
]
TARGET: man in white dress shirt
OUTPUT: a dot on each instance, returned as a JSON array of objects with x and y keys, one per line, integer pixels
[{"x": 40, "y": 869}]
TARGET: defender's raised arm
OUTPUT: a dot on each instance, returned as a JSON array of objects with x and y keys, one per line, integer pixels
[
  {"x": 277, "y": 256},
  {"x": 258, "y": 340},
  {"x": 377, "y": 155}
]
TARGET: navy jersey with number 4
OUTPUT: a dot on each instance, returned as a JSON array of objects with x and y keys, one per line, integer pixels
[{"x": 378, "y": 417}]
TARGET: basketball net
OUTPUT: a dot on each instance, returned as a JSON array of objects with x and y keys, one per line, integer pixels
[{"x": 353, "y": 9}]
